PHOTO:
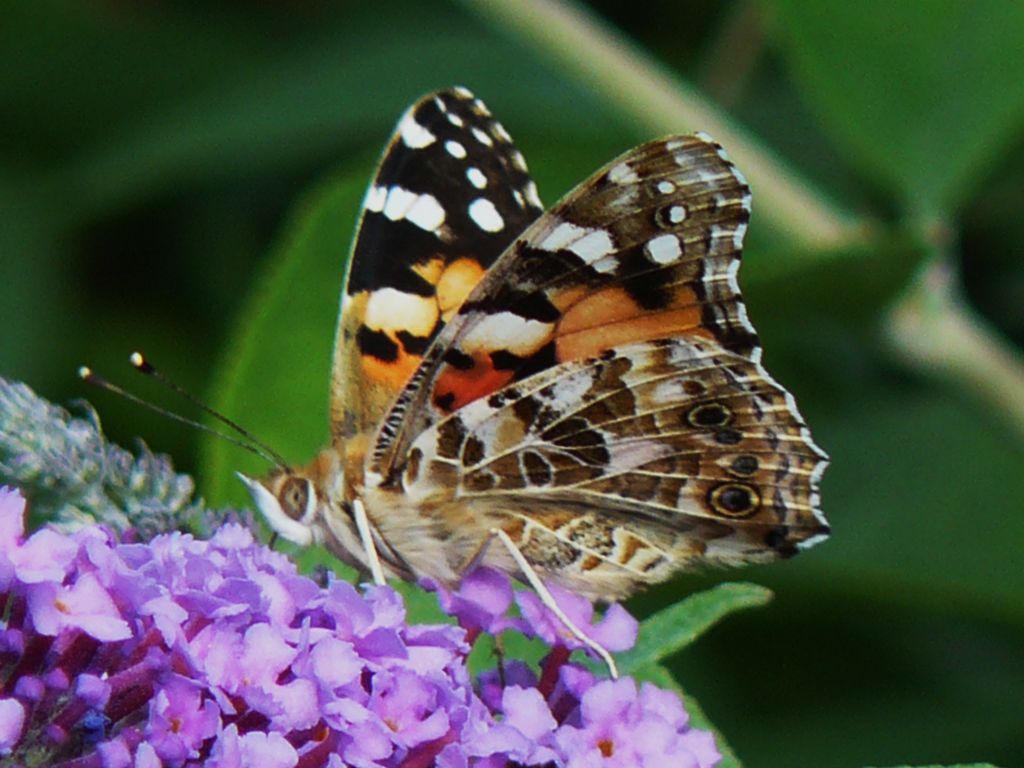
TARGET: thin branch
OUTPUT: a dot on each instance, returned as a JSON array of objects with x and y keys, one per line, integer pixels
[
  {"x": 654, "y": 96},
  {"x": 933, "y": 328}
]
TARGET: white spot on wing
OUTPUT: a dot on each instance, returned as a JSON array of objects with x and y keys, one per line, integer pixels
[
  {"x": 455, "y": 120},
  {"x": 731, "y": 276},
  {"x": 414, "y": 135},
  {"x": 635, "y": 453},
  {"x": 485, "y": 215},
  {"x": 741, "y": 312},
  {"x": 398, "y": 202},
  {"x": 375, "y": 197},
  {"x": 714, "y": 244},
  {"x": 426, "y": 213},
  {"x": 623, "y": 174},
  {"x": 808, "y": 543},
  {"x": 422, "y": 210},
  {"x": 818, "y": 471},
  {"x": 476, "y": 177},
  {"x": 389, "y": 308},
  {"x": 506, "y": 330},
  {"x": 737, "y": 236},
  {"x": 455, "y": 149},
  {"x": 709, "y": 178},
  {"x": 531, "y": 195},
  {"x": 676, "y": 214},
  {"x": 569, "y": 391},
  {"x": 501, "y": 133},
  {"x": 663, "y": 249},
  {"x": 666, "y": 187},
  {"x": 593, "y": 245},
  {"x": 561, "y": 236},
  {"x": 482, "y": 137}
]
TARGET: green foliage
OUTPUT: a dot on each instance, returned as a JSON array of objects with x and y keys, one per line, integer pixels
[
  {"x": 282, "y": 343},
  {"x": 150, "y": 159},
  {"x": 924, "y": 95},
  {"x": 671, "y": 629}
]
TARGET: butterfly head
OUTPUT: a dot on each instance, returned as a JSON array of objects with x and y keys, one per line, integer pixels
[
  {"x": 305, "y": 506},
  {"x": 289, "y": 501}
]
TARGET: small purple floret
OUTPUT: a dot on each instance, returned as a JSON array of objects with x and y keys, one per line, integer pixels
[{"x": 218, "y": 653}]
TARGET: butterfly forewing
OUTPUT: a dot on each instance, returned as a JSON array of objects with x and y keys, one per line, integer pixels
[
  {"x": 647, "y": 248},
  {"x": 449, "y": 196}
]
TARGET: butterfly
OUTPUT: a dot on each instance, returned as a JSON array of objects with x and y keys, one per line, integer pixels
[{"x": 573, "y": 395}]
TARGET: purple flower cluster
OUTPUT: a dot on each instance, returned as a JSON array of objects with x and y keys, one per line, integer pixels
[{"x": 183, "y": 652}]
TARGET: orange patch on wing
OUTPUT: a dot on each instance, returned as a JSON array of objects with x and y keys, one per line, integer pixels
[
  {"x": 611, "y": 318},
  {"x": 455, "y": 283},
  {"x": 565, "y": 299},
  {"x": 392, "y": 374},
  {"x": 469, "y": 385},
  {"x": 597, "y": 309},
  {"x": 430, "y": 270}
]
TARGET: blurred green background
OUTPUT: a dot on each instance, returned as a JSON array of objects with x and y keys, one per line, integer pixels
[{"x": 183, "y": 178}]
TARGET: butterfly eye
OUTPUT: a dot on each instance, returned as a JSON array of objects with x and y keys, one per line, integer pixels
[
  {"x": 294, "y": 497},
  {"x": 734, "y": 500}
]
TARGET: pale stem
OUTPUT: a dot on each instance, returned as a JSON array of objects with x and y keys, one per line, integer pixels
[
  {"x": 656, "y": 98},
  {"x": 933, "y": 328}
]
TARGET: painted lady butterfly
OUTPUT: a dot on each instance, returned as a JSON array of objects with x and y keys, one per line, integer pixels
[{"x": 581, "y": 385}]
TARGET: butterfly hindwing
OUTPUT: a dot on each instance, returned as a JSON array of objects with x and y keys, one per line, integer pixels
[
  {"x": 618, "y": 469},
  {"x": 450, "y": 195},
  {"x": 647, "y": 248}
]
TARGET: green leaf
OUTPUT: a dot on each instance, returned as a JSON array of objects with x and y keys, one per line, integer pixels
[
  {"x": 661, "y": 677},
  {"x": 673, "y": 628},
  {"x": 871, "y": 276},
  {"x": 958, "y": 765},
  {"x": 275, "y": 373},
  {"x": 925, "y": 96}
]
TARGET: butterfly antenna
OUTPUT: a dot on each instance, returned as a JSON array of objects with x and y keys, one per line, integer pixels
[
  {"x": 142, "y": 365},
  {"x": 250, "y": 443}
]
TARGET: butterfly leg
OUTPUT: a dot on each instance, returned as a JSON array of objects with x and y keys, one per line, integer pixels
[
  {"x": 363, "y": 525},
  {"x": 548, "y": 599}
]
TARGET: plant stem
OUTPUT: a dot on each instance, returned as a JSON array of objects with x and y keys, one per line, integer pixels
[
  {"x": 933, "y": 328},
  {"x": 656, "y": 98}
]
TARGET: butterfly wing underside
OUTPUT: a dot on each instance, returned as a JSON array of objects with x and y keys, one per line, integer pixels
[
  {"x": 600, "y": 396},
  {"x": 450, "y": 194}
]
